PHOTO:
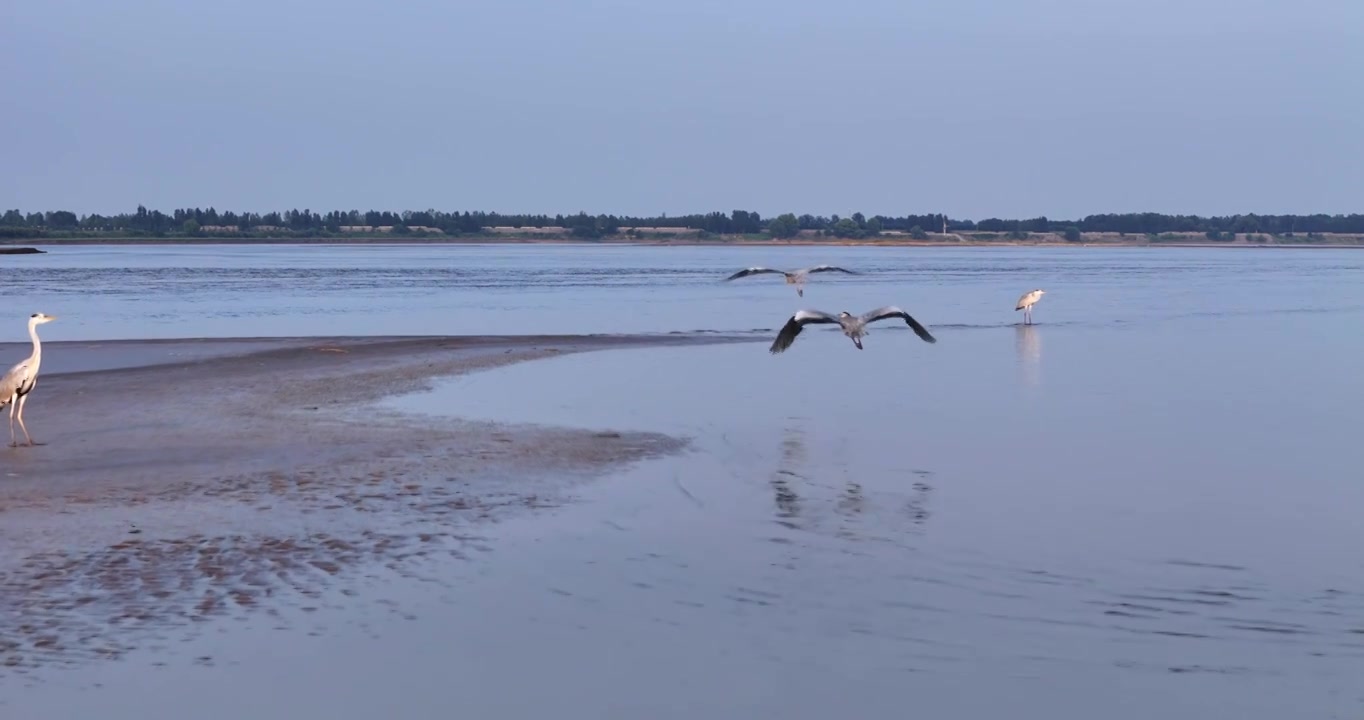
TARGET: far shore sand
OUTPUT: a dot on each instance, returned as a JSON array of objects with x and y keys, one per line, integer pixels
[
  {"x": 1050, "y": 242},
  {"x": 182, "y": 480}
]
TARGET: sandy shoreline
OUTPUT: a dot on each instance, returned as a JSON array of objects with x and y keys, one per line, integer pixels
[
  {"x": 677, "y": 242},
  {"x": 180, "y": 480}
]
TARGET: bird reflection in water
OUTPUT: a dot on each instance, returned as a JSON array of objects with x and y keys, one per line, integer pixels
[
  {"x": 857, "y": 511},
  {"x": 1028, "y": 343},
  {"x": 792, "y": 459},
  {"x": 852, "y": 500},
  {"x": 917, "y": 507},
  {"x": 851, "y": 503}
]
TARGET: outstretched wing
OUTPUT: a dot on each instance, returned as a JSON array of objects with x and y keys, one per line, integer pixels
[
  {"x": 831, "y": 268},
  {"x": 793, "y": 326},
  {"x": 890, "y": 311},
  {"x": 752, "y": 271}
]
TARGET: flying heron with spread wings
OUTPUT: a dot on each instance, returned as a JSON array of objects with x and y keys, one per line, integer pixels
[
  {"x": 1026, "y": 302},
  {"x": 855, "y": 327},
  {"x": 20, "y": 380},
  {"x": 794, "y": 277}
]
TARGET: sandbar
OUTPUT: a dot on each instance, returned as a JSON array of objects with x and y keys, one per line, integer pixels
[{"x": 177, "y": 481}]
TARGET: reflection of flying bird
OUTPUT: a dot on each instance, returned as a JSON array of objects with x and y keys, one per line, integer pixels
[
  {"x": 853, "y": 327},
  {"x": 20, "y": 380},
  {"x": 795, "y": 277},
  {"x": 1026, "y": 302},
  {"x": 792, "y": 458}
]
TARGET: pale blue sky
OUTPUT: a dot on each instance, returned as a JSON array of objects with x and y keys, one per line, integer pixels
[{"x": 969, "y": 107}]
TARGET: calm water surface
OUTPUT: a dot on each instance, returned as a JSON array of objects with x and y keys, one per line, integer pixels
[
  {"x": 115, "y": 292},
  {"x": 1147, "y": 505},
  {"x": 1128, "y": 521}
]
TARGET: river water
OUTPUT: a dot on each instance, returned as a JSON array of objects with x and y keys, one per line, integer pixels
[
  {"x": 1144, "y": 505},
  {"x": 151, "y": 291}
]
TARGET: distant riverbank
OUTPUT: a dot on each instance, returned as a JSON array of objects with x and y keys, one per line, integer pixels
[{"x": 898, "y": 240}]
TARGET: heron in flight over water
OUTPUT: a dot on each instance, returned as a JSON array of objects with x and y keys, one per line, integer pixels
[
  {"x": 855, "y": 327},
  {"x": 794, "y": 277},
  {"x": 21, "y": 378},
  {"x": 1026, "y": 302}
]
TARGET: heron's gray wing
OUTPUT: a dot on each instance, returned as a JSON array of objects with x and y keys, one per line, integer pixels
[
  {"x": 13, "y": 381},
  {"x": 752, "y": 271},
  {"x": 831, "y": 268},
  {"x": 1023, "y": 301},
  {"x": 891, "y": 311},
  {"x": 795, "y": 324}
]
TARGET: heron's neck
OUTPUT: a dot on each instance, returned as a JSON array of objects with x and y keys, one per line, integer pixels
[{"x": 37, "y": 344}]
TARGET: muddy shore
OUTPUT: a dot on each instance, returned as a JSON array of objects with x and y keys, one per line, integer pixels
[
  {"x": 887, "y": 242},
  {"x": 177, "y": 481}
]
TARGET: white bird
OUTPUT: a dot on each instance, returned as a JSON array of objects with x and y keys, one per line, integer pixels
[
  {"x": 1026, "y": 302},
  {"x": 794, "y": 277},
  {"x": 20, "y": 380},
  {"x": 853, "y": 327}
]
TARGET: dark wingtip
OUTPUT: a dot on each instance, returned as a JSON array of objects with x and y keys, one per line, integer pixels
[{"x": 920, "y": 330}]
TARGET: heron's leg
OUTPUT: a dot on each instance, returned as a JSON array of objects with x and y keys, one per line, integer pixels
[
  {"x": 12, "y": 441},
  {"x": 22, "y": 399}
]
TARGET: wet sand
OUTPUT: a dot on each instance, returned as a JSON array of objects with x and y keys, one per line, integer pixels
[{"x": 177, "y": 481}]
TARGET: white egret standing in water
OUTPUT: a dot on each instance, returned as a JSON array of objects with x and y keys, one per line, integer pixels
[{"x": 1026, "y": 302}]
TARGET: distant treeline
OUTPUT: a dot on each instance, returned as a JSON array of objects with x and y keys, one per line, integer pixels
[{"x": 307, "y": 223}]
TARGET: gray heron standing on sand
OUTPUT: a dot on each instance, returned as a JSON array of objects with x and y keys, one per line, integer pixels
[
  {"x": 794, "y": 277},
  {"x": 1026, "y": 302},
  {"x": 21, "y": 378},
  {"x": 853, "y": 327}
]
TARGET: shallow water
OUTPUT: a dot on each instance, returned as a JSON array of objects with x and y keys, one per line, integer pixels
[
  {"x": 1144, "y": 505},
  {"x": 119, "y": 292},
  {"x": 1071, "y": 522},
  {"x": 1046, "y": 517}
]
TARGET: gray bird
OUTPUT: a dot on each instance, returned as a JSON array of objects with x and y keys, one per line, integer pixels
[
  {"x": 1026, "y": 302},
  {"x": 794, "y": 277},
  {"x": 20, "y": 380},
  {"x": 853, "y": 327}
]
